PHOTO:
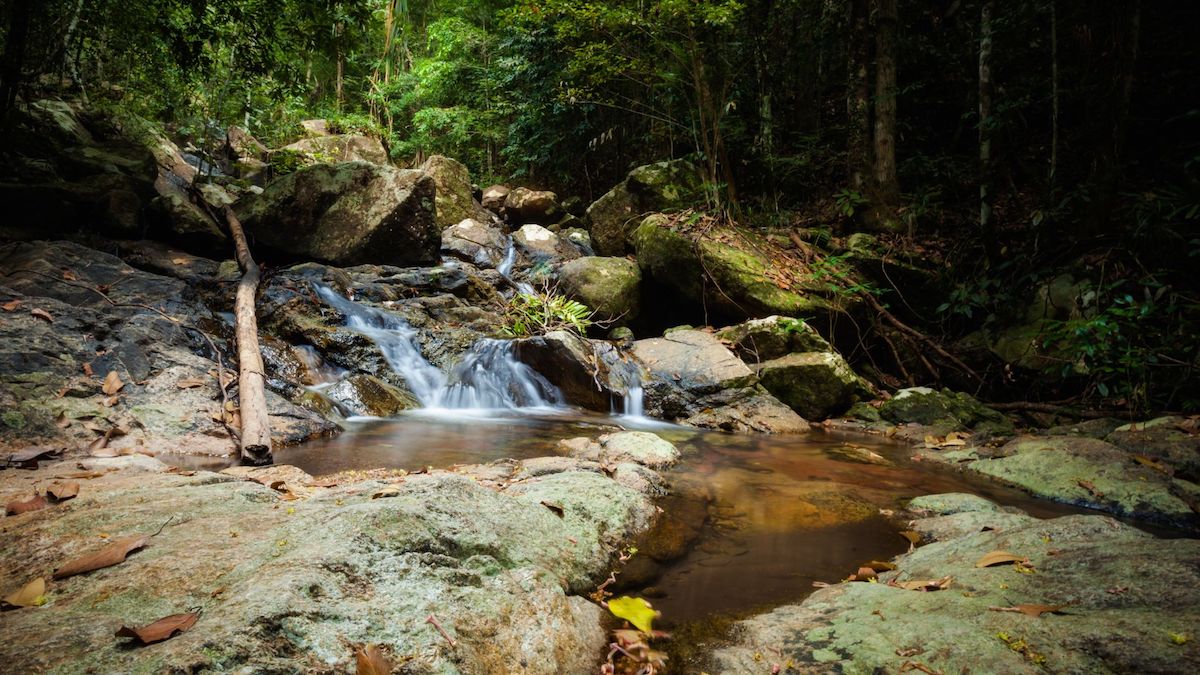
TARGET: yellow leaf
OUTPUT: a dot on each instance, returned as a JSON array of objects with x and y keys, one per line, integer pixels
[
  {"x": 32, "y": 594},
  {"x": 634, "y": 610},
  {"x": 112, "y": 383}
]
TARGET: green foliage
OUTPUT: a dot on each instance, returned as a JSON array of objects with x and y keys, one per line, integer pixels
[
  {"x": 849, "y": 202},
  {"x": 283, "y": 161},
  {"x": 840, "y": 278},
  {"x": 634, "y": 610},
  {"x": 541, "y": 312}
]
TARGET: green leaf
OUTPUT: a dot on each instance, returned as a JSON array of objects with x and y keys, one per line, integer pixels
[{"x": 634, "y": 610}]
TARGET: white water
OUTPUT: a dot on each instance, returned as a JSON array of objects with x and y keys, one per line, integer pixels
[
  {"x": 488, "y": 378},
  {"x": 506, "y": 266}
]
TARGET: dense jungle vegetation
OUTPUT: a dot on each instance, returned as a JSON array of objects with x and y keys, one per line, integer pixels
[{"x": 1004, "y": 144}]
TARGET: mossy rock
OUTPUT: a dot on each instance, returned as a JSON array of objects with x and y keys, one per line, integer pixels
[
  {"x": 609, "y": 286},
  {"x": 661, "y": 186},
  {"x": 366, "y": 395},
  {"x": 817, "y": 385},
  {"x": 772, "y": 337},
  {"x": 944, "y": 409}
]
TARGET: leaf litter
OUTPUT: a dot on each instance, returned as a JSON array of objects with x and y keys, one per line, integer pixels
[{"x": 163, "y": 629}]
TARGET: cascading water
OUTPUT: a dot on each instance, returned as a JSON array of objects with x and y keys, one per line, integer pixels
[
  {"x": 488, "y": 377},
  {"x": 506, "y": 266}
]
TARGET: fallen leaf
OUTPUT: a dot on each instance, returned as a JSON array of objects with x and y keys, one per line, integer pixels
[
  {"x": 87, "y": 370},
  {"x": 32, "y": 594},
  {"x": 1153, "y": 464},
  {"x": 864, "y": 574},
  {"x": 62, "y": 421},
  {"x": 28, "y": 457},
  {"x": 1117, "y": 590},
  {"x": 69, "y": 275},
  {"x": 880, "y": 566},
  {"x": 1090, "y": 487},
  {"x": 34, "y": 503},
  {"x": 163, "y": 629},
  {"x": 11, "y": 305},
  {"x": 179, "y": 261},
  {"x": 390, "y": 491},
  {"x": 911, "y": 651},
  {"x": 112, "y": 383},
  {"x": 556, "y": 507},
  {"x": 372, "y": 661},
  {"x": 42, "y": 314},
  {"x": 998, "y": 558},
  {"x": 913, "y": 538},
  {"x": 634, "y": 610},
  {"x": 96, "y": 447},
  {"x": 113, "y": 554},
  {"x": 111, "y": 401},
  {"x": 61, "y": 491},
  {"x": 190, "y": 383},
  {"x": 1034, "y": 611},
  {"x": 913, "y": 665},
  {"x": 924, "y": 585}
]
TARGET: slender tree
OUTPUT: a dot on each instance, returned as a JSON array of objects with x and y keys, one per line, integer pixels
[
  {"x": 886, "y": 185},
  {"x": 986, "y": 124},
  {"x": 858, "y": 91}
]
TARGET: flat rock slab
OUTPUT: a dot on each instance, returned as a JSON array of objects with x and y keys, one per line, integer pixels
[
  {"x": 292, "y": 585},
  {"x": 1131, "y": 604}
]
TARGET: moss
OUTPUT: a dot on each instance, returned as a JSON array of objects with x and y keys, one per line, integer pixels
[{"x": 13, "y": 419}]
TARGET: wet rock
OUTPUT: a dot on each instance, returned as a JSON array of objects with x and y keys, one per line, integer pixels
[
  {"x": 179, "y": 220},
  {"x": 522, "y": 205},
  {"x": 608, "y": 286},
  {"x": 772, "y": 337},
  {"x": 817, "y": 385},
  {"x": 475, "y": 242},
  {"x": 1164, "y": 438},
  {"x": 579, "y": 367},
  {"x": 341, "y": 148},
  {"x": 1098, "y": 428},
  {"x": 949, "y": 503},
  {"x": 542, "y": 245},
  {"x": 455, "y": 198},
  {"x": 696, "y": 379},
  {"x": 292, "y": 589},
  {"x": 369, "y": 396},
  {"x": 654, "y": 187},
  {"x": 1125, "y": 593},
  {"x": 347, "y": 214},
  {"x": 639, "y": 447},
  {"x": 946, "y": 408},
  {"x": 727, "y": 270}
]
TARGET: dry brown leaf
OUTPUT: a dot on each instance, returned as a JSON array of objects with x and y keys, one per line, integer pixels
[
  {"x": 42, "y": 314},
  {"x": 913, "y": 665},
  {"x": 32, "y": 594},
  {"x": 555, "y": 507},
  {"x": 113, "y": 554},
  {"x": 924, "y": 585},
  {"x": 913, "y": 538},
  {"x": 87, "y": 370},
  {"x": 28, "y": 457},
  {"x": 179, "y": 261},
  {"x": 96, "y": 448},
  {"x": 34, "y": 503},
  {"x": 386, "y": 492},
  {"x": 880, "y": 566},
  {"x": 163, "y": 629},
  {"x": 111, "y": 401},
  {"x": 1034, "y": 611},
  {"x": 11, "y": 305},
  {"x": 998, "y": 558},
  {"x": 61, "y": 491},
  {"x": 190, "y": 383},
  {"x": 864, "y": 574},
  {"x": 372, "y": 661},
  {"x": 112, "y": 383},
  {"x": 62, "y": 421}
]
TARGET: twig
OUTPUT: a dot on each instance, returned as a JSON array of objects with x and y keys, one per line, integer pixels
[
  {"x": 917, "y": 335},
  {"x": 433, "y": 620}
]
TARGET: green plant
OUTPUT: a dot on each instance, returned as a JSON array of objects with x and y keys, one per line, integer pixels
[
  {"x": 541, "y": 312},
  {"x": 840, "y": 277},
  {"x": 285, "y": 161},
  {"x": 849, "y": 202}
]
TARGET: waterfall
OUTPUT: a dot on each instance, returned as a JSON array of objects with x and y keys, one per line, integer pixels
[
  {"x": 488, "y": 377},
  {"x": 627, "y": 376},
  {"x": 506, "y": 265}
]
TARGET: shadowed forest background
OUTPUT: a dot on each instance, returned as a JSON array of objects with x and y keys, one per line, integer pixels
[{"x": 1011, "y": 149}]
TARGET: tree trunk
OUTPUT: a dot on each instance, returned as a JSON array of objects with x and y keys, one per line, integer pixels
[
  {"x": 888, "y": 189},
  {"x": 14, "y": 56},
  {"x": 341, "y": 66},
  {"x": 68, "y": 60},
  {"x": 987, "y": 227},
  {"x": 252, "y": 396},
  {"x": 1053, "y": 93},
  {"x": 858, "y": 92}
]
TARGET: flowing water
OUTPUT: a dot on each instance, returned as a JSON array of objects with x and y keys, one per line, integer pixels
[{"x": 752, "y": 522}]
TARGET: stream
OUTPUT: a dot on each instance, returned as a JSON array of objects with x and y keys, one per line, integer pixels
[{"x": 752, "y": 520}]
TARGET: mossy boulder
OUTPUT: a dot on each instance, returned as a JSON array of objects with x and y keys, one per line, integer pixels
[
  {"x": 949, "y": 409},
  {"x": 727, "y": 269},
  {"x": 455, "y": 197},
  {"x": 609, "y": 286},
  {"x": 772, "y": 337},
  {"x": 522, "y": 206},
  {"x": 655, "y": 187},
  {"x": 817, "y": 385},
  {"x": 341, "y": 148},
  {"x": 365, "y": 395},
  {"x": 347, "y": 214}
]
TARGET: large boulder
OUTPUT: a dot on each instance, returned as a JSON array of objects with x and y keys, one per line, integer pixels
[
  {"x": 522, "y": 205},
  {"x": 589, "y": 373},
  {"x": 817, "y": 385},
  {"x": 729, "y": 270},
  {"x": 475, "y": 242},
  {"x": 341, "y": 148},
  {"x": 772, "y": 337},
  {"x": 695, "y": 379},
  {"x": 493, "y": 198},
  {"x": 609, "y": 286},
  {"x": 949, "y": 410},
  {"x": 655, "y": 187},
  {"x": 455, "y": 197},
  {"x": 541, "y": 245},
  {"x": 347, "y": 214},
  {"x": 365, "y": 395},
  {"x": 1127, "y": 602}
]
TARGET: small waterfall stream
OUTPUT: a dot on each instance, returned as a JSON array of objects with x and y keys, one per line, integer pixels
[{"x": 489, "y": 377}]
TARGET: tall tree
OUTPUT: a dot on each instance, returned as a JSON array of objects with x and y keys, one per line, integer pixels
[
  {"x": 886, "y": 185},
  {"x": 858, "y": 92},
  {"x": 987, "y": 226}
]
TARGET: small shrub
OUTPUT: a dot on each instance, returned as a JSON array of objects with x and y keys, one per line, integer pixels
[{"x": 544, "y": 311}]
